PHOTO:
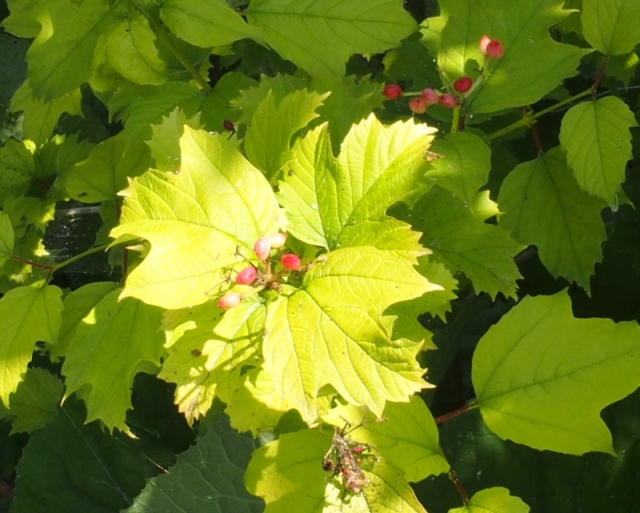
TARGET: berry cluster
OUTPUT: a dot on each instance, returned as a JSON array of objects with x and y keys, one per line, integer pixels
[
  {"x": 262, "y": 277},
  {"x": 490, "y": 48}
]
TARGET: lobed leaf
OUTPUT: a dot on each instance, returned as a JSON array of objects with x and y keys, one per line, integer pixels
[
  {"x": 544, "y": 206},
  {"x": 342, "y": 202},
  {"x": 460, "y": 239},
  {"x": 329, "y": 332},
  {"x": 27, "y": 315},
  {"x": 542, "y": 376},
  {"x": 611, "y": 27},
  {"x": 17, "y": 168},
  {"x": 114, "y": 339},
  {"x": 597, "y": 140},
  {"x": 194, "y": 221},
  {"x": 320, "y": 35}
]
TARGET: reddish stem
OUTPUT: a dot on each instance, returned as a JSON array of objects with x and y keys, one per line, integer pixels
[
  {"x": 599, "y": 77},
  {"x": 535, "y": 134},
  {"x": 459, "y": 487},
  {"x": 48, "y": 268},
  {"x": 450, "y": 415}
]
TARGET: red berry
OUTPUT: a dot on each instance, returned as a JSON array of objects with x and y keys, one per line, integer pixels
[
  {"x": 448, "y": 100},
  {"x": 430, "y": 96},
  {"x": 277, "y": 239},
  {"x": 495, "y": 49},
  {"x": 262, "y": 247},
  {"x": 484, "y": 41},
  {"x": 229, "y": 300},
  {"x": 290, "y": 262},
  {"x": 228, "y": 125},
  {"x": 247, "y": 276},
  {"x": 463, "y": 84},
  {"x": 417, "y": 105},
  {"x": 392, "y": 91}
]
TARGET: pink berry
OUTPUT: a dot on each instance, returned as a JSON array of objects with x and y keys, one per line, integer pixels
[
  {"x": 290, "y": 262},
  {"x": 228, "y": 125},
  {"x": 448, "y": 100},
  {"x": 417, "y": 105},
  {"x": 277, "y": 239},
  {"x": 484, "y": 41},
  {"x": 247, "y": 276},
  {"x": 392, "y": 91},
  {"x": 463, "y": 84},
  {"x": 495, "y": 49},
  {"x": 229, "y": 300},
  {"x": 262, "y": 247},
  {"x": 430, "y": 96}
]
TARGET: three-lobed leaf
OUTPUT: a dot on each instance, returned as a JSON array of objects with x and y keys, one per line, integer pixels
[
  {"x": 597, "y": 140},
  {"x": 542, "y": 376}
]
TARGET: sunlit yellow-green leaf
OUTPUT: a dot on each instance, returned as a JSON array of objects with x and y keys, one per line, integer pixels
[{"x": 493, "y": 500}]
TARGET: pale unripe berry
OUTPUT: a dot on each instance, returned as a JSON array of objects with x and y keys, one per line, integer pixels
[
  {"x": 277, "y": 240},
  {"x": 417, "y": 105},
  {"x": 247, "y": 276},
  {"x": 448, "y": 100},
  {"x": 463, "y": 84},
  {"x": 484, "y": 41},
  {"x": 495, "y": 49},
  {"x": 290, "y": 262},
  {"x": 229, "y": 300},
  {"x": 262, "y": 247},
  {"x": 430, "y": 96},
  {"x": 392, "y": 91}
]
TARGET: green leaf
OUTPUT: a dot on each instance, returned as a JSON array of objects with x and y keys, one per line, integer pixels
[
  {"x": 196, "y": 218},
  {"x": 460, "y": 239},
  {"x": 16, "y": 169},
  {"x": 165, "y": 142},
  {"x": 36, "y": 401},
  {"x": 542, "y": 376},
  {"x": 216, "y": 106},
  {"x": 342, "y": 202},
  {"x": 206, "y": 355},
  {"x": 27, "y": 315},
  {"x": 597, "y": 140},
  {"x": 114, "y": 339},
  {"x": 288, "y": 475},
  {"x": 319, "y": 36},
  {"x": 60, "y": 58},
  {"x": 206, "y": 477},
  {"x": 530, "y": 54},
  {"x": 105, "y": 172},
  {"x": 435, "y": 302},
  {"x": 465, "y": 165},
  {"x": 268, "y": 140},
  {"x": 611, "y": 26},
  {"x": 77, "y": 305},
  {"x": 406, "y": 436},
  {"x": 494, "y": 500},
  {"x": 131, "y": 51},
  {"x": 40, "y": 117},
  {"x": 72, "y": 466},
  {"x": 7, "y": 238},
  {"x": 23, "y": 18},
  {"x": 206, "y": 23},
  {"x": 329, "y": 332},
  {"x": 544, "y": 206}
]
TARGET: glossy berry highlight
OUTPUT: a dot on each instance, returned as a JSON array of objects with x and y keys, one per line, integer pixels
[
  {"x": 392, "y": 91},
  {"x": 262, "y": 247},
  {"x": 417, "y": 105},
  {"x": 463, "y": 84},
  {"x": 484, "y": 41},
  {"x": 448, "y": 100},
  {"x": 291, "y": 262},
  {"x": 247, "y": 276},
  {"x": 430, "y": 96},
  {"x": 229, "y": 300},
  {"x": 494, "y": 49}
]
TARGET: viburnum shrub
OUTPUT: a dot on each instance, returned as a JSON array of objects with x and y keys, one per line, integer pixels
[{"x": 462, "y": 336}]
